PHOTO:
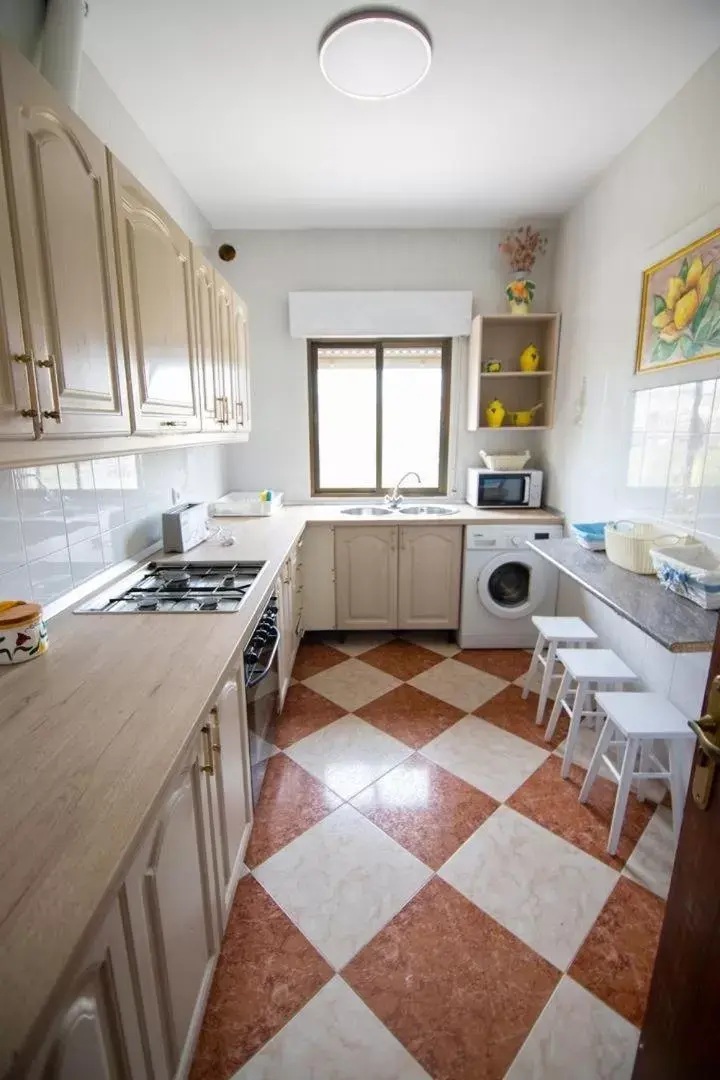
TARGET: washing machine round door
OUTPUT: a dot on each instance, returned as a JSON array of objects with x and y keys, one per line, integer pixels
[{"x": 511, "y": 586}]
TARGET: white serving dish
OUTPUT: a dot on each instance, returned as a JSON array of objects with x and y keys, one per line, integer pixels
[{"x": 507, "y": 461}]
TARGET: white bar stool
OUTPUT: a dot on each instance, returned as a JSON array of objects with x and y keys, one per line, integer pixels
[
  {"x": 553, "y": 630},
  {"x": 634, "y": 720},
  {"x": 590, "y": 670}
]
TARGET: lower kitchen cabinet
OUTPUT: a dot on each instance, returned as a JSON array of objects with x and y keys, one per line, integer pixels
[
  {"x": 429, "y": 577},
  {"x": 97, "y": 1032},
  {"x": 231, "y": 805},
  {"x": 318, "y": 577},
  {"x": 391, "y": 577},
  {"x": 366, "y": 569},
  {"x": 173, "y": 915},
  {"x": 290, "y": 616}
]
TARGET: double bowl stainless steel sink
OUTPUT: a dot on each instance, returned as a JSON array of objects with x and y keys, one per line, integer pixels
[{"x": 412, "y": 511}]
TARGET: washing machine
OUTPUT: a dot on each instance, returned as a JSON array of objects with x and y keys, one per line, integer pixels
[{"x": 504, "y": 585}]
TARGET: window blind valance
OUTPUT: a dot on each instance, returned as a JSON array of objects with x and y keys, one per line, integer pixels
[{"x": 390, "y": 314}]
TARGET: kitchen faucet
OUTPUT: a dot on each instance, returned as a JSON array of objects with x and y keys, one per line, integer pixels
[{"x": 394, "y": 498}]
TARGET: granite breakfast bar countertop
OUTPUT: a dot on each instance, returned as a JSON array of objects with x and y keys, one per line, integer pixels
[{"x": 674, "y": 622}]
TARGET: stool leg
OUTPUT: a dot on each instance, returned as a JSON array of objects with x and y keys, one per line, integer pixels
[
  {"x": 596, "y": 760},
  {"x": 555, "y": 714},
  {"x": 644, "y": 762},
  {"x": 626, "y": 775},
  {"x": 574, "y": 729},
  {"x": 534, "y": 665},
  {"x": 546, "y": 681},
  {"x": 678, "y": 787}
]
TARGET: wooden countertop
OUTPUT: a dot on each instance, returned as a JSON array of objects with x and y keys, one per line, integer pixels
[
  {"x": 671, "y": 620},
  {"x": 91, "y": 732}
]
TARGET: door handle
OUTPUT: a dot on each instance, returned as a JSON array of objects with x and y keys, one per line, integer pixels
[
  {"x": 707, "y": 754},
  {"x": 55, "y": 413}
]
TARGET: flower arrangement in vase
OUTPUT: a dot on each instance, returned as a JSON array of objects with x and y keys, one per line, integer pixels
[{"x": 522, "y": 248}]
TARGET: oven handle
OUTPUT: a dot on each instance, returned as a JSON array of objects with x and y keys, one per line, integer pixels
[{"x": 255, "y": 679}]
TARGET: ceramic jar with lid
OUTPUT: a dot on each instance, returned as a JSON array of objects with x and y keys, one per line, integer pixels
[{"x": 23, "y": 633}]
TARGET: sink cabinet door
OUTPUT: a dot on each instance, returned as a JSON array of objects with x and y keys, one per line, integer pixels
[
  {"x": 97, "y": 1031},
  {"x": 232, "y": 816},
  {"x": 64, "y": 254},
  {"x": 366, "y": 566},
  {"x": 429, "y": 577},
  {"x": 318, "y": 577},
  {"x": 158, "y": 311},
  {"x": 173, "y": 913}
]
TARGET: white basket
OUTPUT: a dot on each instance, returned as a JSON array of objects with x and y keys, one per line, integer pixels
[
  {"x": 509, "y": 460},
  {"x": 628, "y": 544},
  {"x": 693, "y": 573}
]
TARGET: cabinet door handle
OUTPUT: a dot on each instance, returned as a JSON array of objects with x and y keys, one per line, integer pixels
[
  {"x": 173, "y": 423},
  {"x": 54, "y": 413},
  {"x": 209, "y": 766},
  {"x": 240, "y": 411}
]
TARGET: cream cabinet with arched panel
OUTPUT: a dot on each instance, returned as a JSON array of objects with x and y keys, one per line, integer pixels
[
  {"x": 158, "y": 309},
  {"x": 61, "y": 223}
]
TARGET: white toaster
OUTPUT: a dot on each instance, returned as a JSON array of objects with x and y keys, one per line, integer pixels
[{"x": 185, "y": 526}]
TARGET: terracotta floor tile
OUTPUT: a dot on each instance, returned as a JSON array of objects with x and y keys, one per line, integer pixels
[
  {"x": 266, "y": 972},
  {"x": 304, "y": 712},
  {"x": 616, "y": 960},
  {"x": 457, "y": 989},
  {"x": 508, "y": 710},
  {"x": 314, "y": 657},
  {"x": 507, "y": 664},
  {"x": 290, "y": 802},
  {"x": 426, "y": 809},
  {"x": 401, "y": 658},
  {"x": 553, "y": 802},
  {"x": 410, "y": 715}
]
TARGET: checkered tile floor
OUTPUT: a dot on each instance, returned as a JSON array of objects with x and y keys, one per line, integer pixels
[{"x": 426, "y": 897}]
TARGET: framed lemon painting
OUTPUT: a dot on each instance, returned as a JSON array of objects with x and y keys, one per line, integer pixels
[{"x": 680, "y": 312}]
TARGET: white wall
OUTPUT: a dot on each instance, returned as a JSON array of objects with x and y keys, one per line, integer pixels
[
  {"x": 102, "y": 112},
  {"x": 661, "y": 192},
  {"x": 269, "y": 265},
  {"x": 614, "y": 452}
]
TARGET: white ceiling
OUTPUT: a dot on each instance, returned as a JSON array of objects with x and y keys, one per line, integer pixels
[{"x": 525, "y": 102}]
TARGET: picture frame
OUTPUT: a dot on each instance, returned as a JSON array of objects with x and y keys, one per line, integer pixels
[{"x": 680, "y": 307}]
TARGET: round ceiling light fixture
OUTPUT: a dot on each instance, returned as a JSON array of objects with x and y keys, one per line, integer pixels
[{"x": 375, "y": 54}]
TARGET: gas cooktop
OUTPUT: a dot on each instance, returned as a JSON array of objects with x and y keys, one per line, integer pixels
[{"x": 167, "y": 588}]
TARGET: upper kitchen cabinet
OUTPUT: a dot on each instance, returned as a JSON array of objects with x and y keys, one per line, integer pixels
[
  {"x": 241, "y": 367},
  {"x": 525, "y": 387},
  {"x": 209, "y": 363},
  {"x": 224, "y": 304},
  {"x": 156, "y": 281},
  {"x": 18, "y": 393},
  {"x": 67, "y": 320}
]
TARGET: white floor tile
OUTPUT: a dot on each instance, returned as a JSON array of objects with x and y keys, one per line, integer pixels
[
  {"x": 491, "y": 759},
  {"x": 577, "y": 1037},
  {"x": 544, "y": 890},
  {"x": 341, "y": 882},
  {"x": 334, "y": 1037},
  {"x": 459, "y": 684},
  {"x": 357, "y": 643},
  {"x": 651, "y": 863},
  {"x": 348, "y": 754},
  {"x": 435, "y": 642},
  {"x": 260, "y": 749},
  {"x": 352, "y": 684}
]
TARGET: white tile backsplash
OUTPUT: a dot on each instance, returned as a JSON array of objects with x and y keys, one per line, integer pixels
[
  {"x": 673, "y": 473},
  {"x": 62, "y": 524}
]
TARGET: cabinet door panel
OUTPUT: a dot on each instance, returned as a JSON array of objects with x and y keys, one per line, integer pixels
[
  {"x": 366, "y": 577},
  {"x": 318, "y": 577},
  {"x": 157, "y": 292},
  {"x": 97, "y": 1030},
  {"x": 226, "y": 348},
  {"x": 17, "y": 377},
  {"x": 241, "y": 367},
  {"x": 209, "y": 374},
  {"x": 429, "y": 577},
  {"x": 232, "y": 779},
  {"x": 64, "y": 235}
]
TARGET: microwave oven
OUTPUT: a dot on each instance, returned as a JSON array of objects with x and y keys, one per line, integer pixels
[{"x": 490, "y": 489}]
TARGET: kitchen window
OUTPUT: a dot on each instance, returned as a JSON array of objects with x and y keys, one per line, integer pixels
[{"x": 377, "y": 410}]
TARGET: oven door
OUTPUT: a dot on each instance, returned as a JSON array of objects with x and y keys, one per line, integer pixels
[
  {"x": 503, "y": 489},
  {"x": 262, "y": 698}
]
